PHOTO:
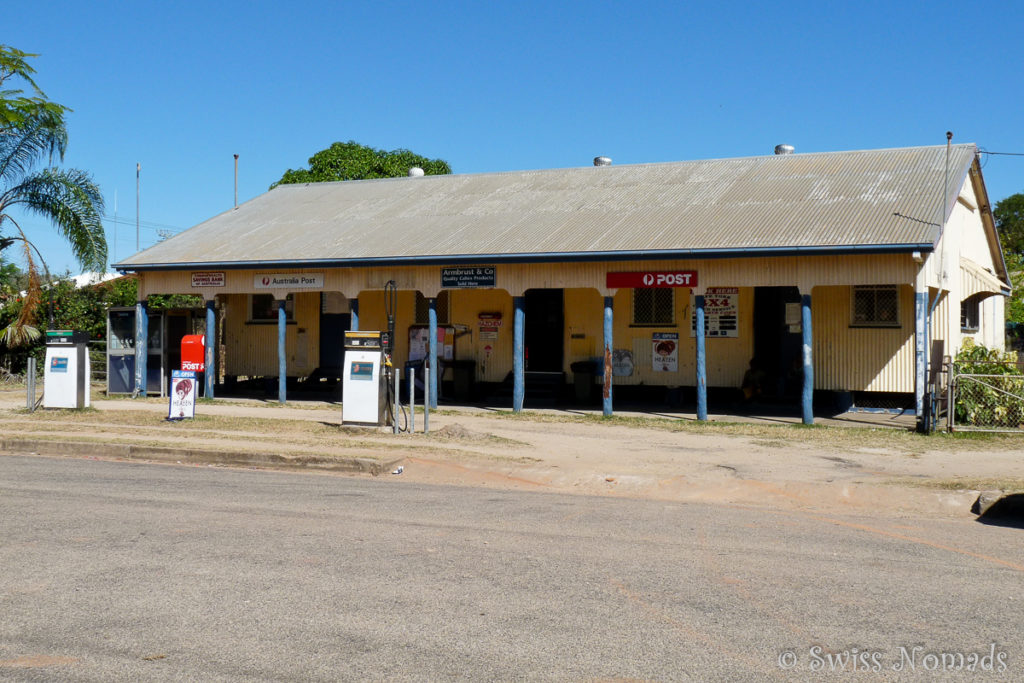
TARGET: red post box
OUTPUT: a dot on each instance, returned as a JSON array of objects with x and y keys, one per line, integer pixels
[{"x": 193, "y": 352}]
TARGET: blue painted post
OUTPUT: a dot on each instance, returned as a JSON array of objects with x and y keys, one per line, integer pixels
[
  {"x": 702, "y": 370},
  {"x": 920, "y": 353},
  {"x": 807, "y": 395},
  {"x": 518, "y": 353},
  {"x": 211, "y": 346},
  {"x": 141, "y": 348},
  {"x": 282, "y": 359},
  {"x": 435, "y": 375},
  {"x": 353, "y": 323},
  {"x": 607, "y": 392}
]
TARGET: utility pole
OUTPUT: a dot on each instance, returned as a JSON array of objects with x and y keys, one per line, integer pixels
[{"x": 138, "y": 172}]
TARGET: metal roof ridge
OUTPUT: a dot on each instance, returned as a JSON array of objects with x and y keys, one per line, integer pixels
[{"x": 616, "y": 167}]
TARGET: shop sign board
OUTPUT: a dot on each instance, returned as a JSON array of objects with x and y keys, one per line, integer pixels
[
  {"x": 468, "y": 277},
  {"x": 208, "y": 279},
  {"x": 289, "y": 281},
  {"x": 652, "y": 278}
]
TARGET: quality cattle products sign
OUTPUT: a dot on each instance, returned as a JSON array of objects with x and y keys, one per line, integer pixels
[
  {"x": 652, "y": 278},
  {"x": 289, "y": 281},
  {"x": 468, "y": 277},
  {"x": 721, "y": 312},
  {"x": 208, "y": 279}
]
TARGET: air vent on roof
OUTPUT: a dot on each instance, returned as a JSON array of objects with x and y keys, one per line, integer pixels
[
  {"x": 415, "y": 172},
  {"x": 784, "y": 149},
  {"x": 602, "y": 161}
]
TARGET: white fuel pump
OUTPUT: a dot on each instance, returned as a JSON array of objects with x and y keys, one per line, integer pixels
[
  {"x": 364, "y": 380},
  {"x": 66, "y": 377}
]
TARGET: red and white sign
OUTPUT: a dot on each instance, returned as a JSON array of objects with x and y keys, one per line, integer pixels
[
  {"x": 489, "y": 321},
  {"x": 208, "y": 279},
  {"x": 652, "y": 278}
]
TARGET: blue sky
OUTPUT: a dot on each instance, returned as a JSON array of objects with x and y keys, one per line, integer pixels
[{"x": 490, "y": 86}]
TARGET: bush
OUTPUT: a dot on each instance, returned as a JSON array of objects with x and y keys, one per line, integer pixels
[{"x": 996, "y": 401}]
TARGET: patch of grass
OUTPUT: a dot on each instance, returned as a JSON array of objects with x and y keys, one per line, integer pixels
[{"x": 898, "y": 440}]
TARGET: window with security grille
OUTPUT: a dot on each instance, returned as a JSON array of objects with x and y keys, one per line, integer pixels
[
  {"x": 263, "y": 308},
  {"x": 970, "y": 309},
  {"x": 422, "y": 310},
  {"x": 654, "y": 306},
  {"x": 876, "y": 306}
]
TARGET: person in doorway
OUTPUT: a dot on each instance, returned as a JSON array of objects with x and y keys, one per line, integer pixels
[{"x": 753, "y": 381}]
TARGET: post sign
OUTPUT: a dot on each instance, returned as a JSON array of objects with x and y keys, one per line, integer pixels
[
  {"x": 469, "y": 276},
  {"x": 289, "y": 281},
  {"x": 721, "y": 312},
  {"x": 208, "y": 279},
  {"x": 183, "y": 395},
  {"x": 652, "y": 278}
]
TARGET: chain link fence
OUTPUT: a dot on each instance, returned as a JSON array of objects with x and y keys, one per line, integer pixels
[{"x": 986, "y": 397}]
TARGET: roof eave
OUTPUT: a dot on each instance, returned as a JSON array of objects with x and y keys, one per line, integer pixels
[{"x": 545, "y": 257}]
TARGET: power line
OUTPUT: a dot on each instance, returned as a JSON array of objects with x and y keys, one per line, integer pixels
[
  {"x": 152, "y": 225},
  {"x": 1005, "y": 154}
]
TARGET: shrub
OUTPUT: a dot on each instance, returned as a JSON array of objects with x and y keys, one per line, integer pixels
[{"x": 994, "y": 401}]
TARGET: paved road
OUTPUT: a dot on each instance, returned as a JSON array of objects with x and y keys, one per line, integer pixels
[{"x": 121, "y": 571}]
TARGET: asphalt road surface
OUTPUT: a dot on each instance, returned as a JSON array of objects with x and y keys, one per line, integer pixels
[{"x": 119, "y": 571}]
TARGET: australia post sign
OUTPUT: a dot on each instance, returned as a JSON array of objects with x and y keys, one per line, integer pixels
[{"x": 652, "y": 278}]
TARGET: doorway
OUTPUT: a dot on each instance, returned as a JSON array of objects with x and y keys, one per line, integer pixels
[
  {"x": 778, "y": 341},
  {"x": 545, "y": 330},
  {"x": 335, "y": 321}
]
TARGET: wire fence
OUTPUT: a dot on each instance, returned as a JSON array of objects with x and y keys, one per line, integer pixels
[{"x": 987, "y": 397}]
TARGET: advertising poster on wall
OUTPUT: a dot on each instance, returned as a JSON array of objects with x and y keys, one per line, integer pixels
[
  {"x": 183, "y": 395},
  {"x": 622, "y": 363},
  {"x": 721, "y": 312},
  {"x": 419, "y": 336},
  {"x": 665, "y": 351}
]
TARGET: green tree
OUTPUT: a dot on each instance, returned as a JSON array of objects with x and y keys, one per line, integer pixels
[
  {"x": 352, "y": 161},
  {"x": 69, "y": 307},
  {"x": 1009, "y": 217},
  {"x": 16, "y": 106},
  {"x": 33, "y": 134}
]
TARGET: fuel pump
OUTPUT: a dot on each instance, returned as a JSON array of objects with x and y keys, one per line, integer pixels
[
  {"x": 364, "y": 381},
  {"x": 66, "y": 377}
]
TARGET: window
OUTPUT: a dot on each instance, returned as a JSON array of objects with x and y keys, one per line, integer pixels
[
  {"x": 875, "y": 306},
  {"x": 422, "y": 311},
  {"x": 263, "y": 308},
  {"x": 970, "y": 309},
  {"x": 654, "y": 306}
]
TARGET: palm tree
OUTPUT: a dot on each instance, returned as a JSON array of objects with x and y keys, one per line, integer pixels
[{"x": 68, "y": 198}]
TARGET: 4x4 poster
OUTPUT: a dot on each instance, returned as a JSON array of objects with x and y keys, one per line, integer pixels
[{"x": 721, "y": 312}]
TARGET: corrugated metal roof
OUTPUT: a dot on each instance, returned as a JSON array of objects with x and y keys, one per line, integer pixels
[{"x": 884, "y": 199}]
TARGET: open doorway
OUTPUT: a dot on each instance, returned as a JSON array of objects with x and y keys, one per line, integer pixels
[
  {"x": 544, "y": 330},
  {"x": 778, "y": 340},
  {"x": 335, "y": 320}
]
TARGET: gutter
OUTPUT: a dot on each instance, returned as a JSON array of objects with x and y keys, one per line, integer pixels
[{"x": 543, "y": 257}]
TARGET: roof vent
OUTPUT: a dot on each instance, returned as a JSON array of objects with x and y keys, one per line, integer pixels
[
  {"x": 415, "y": 172},
  {"x": 602, "y": 161},
  {"x": 784, "y": 149}
]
